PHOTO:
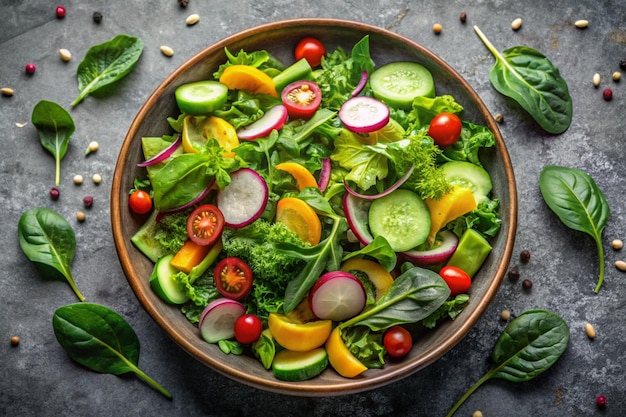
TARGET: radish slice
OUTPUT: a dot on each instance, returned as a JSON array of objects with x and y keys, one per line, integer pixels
[
  {"x": 389, "y": 190},
  {"x": 324, "y": 175},
  {"x": 217, "y": 321},
  {"x": 163, "y": 155},
  {"x": 361, "y": 85},
  {"x": 337, "y": 295},
  {"x": 244, "y": 199},
  {"x": 444, "y": 247},
  {"x": 273, "y": 119},
  {"x": 356, "y": 211},
  {"x": 193, "y": 202},
  {"x": 364, "y": 114}
]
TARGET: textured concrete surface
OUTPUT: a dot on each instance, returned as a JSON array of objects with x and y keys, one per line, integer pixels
[{"x": 38, "y": 378}]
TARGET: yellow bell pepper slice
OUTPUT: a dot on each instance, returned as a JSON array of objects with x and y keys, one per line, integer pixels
[
  {"x": 340, "y": 358},
  {"x": 299, "y": 217},
  {"x": 297, "y": 336},
  {"x": 245, "y": 77},
  {"x": 456, "y": 203},
  {"x": 378, "y": 275},
  {"x": 198, "y": 130}
]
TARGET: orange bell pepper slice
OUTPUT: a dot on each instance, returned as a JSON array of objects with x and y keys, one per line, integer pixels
[
  {"x": 245, "y": 77},
  {"x": 303, "y": 176}
]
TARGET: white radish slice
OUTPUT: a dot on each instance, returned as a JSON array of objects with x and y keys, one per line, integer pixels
[
  {"x": 244, "y": 199},
  {"x": 337, "y": 295},
  {"x": 438, "y": 254},
  {"x": 356, "y": 211},
  {"x": 273, "y": 119},
  {"x": 364, "y": 114},
  {"x": 217, "y": 321}
]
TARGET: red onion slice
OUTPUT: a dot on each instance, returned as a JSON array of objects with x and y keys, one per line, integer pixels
[
  {"x": 394, "y": 187},
  {"x": 193, "y": 202},
  {"x": 324, "y": 175},
  {"x": 163, "y": 155},
  {"x": 361, "y": 85}
]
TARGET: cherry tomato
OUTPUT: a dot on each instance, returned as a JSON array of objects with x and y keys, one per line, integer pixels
[
  {"x": 457, "y": 279},
  {"x": 205, "y": 224},
  {"x": 233, "y": 278},
  {"x": 248, "y": 328},
  {"x": 397, "y": 341},
  {"x": 310, "y": 49},
  {"x": 302, "y": 99},
  {"x": 140, "y": 202},
  {"x": 445, "y": 129}
]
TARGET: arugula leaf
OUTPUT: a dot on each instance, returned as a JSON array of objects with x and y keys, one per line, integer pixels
[{"x": 451, "y": 308}]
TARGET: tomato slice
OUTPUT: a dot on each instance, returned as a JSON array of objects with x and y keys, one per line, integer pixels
[
  {"x": 302, "y": 99},
  {"x": 233, "y": 278},
  {"x": 205, "y": 225}
]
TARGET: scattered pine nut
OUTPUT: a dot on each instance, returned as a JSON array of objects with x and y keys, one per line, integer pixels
[
  {"x": 498, "y": 117},
  {"x": 97, "y": 178},
  {"x": 6, "y": 91},
  {"x": 596, "y": 80},
  {"x": 80, "y": 216},
  {"x": 92, "y": 147},
  {"x": 65, "y": 54},
  {"x": 581, "y": 24},
  {"x": 477, "y": 413},
  {"x": 516, "y": 24},
  {"x": 192, "y": 19},
  {"x": 167, "y": 51},
  {"x": 617, "y": 244},
  {"x": 617, "y": 76},
  {"x": 590, "y": 331},
  {"x": 78, "y": 179},
  {"x": 505, "y": 315},
  {"x": 437, "y": 28},
  {"x": 621, "y": 265}
]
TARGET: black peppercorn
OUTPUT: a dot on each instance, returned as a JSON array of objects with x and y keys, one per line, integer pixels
[
  {"x": 622, "y": 64},
  {"x": 513, "y": 274},
  {"x": 527, "y": 284},
  {"x": 97, "y": 17},
  {"x": 463, "y": 17},
  {"x": 524, "y": 256},
  {"x": 183, "y": 3}
]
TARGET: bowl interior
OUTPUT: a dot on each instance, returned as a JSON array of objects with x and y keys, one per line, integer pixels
[{"x": 279, "y": 39}]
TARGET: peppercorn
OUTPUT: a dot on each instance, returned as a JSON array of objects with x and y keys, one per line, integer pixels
[
  {"x": 607, "y": 94},
  {"x": 60, "y": 11},
  {"x": 15, "y": 340},
  {"x": 514, "y": 274},
  {"x": 97, "y": 17},
  {"x": 88, "y": 201},
  {"x": 601, "y": 401},
  {"x": 54, "y": 193},
  {"x": 183, "y": 3},
  {"x": 463, "y": 17},
  {"x": 30, "y": 69},
  {"x": 524, "y": 256},
  {"x": 622, "y": 64},
  {"x": 527, "y": 284}
]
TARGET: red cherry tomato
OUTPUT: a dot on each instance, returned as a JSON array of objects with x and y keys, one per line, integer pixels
[
  {"x": 310, "y": 49},
  {"x": 445, "y": 129},
  {"x": 397, "y": 341},
  {"x": 248, "y": 328},
  {"x": 457, "y": 279},
  {"x": 302, "y": 99},
  {"x": 205, "y": 224},
  {"x": 140, "y": 202},
  {"x": 233, "y": 278}
]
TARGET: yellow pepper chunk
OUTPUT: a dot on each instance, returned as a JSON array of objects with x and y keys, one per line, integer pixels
[
  {"x": 378, "y": 275},
  {"x": 299, "y": 337},
  {"x": 340, "y": 358},
  {"x": 456, "y": 203}
]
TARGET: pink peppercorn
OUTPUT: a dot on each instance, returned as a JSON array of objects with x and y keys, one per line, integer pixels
[
  {"x": 30, "y": 69},
  {"x": 54, "y": 193},
  {"x": 60, "y": 11},
  {"x": 607, "y": 94},
  {"x": 601, "y": 401}
]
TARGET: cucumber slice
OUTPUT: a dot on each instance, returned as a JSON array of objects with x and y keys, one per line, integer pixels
[
  {"x": 468, "y": 175},
  {"x": 299, "y": 366},
  {"x": 201, "y": 97},
  {"x": 398, "y": 83},
  {"x": 162, "y": 283},
  {"x": 144, "y": 239},
  {"x": 472, "y": 251},
  {"x": 402, "y": 218}
]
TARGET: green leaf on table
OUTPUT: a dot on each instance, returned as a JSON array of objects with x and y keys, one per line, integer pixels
[
  {"x": 48, "y": 240},
  {"x": 527, "y": 347},
  {"x": 100, "y": 339},
  {"x": 578, "y": 201},
  {"x": 55, "y": 128},
  {"x": 534, "y": 82},
  {"x": 106, "y": 63}
]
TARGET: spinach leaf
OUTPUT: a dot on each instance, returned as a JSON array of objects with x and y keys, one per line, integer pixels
[
  {"x": 100, "y": 339},
  {"x": 528, "y": 346},
  {"x": 580, "y": 204},
  {"x": 55, "y": 127},
  {"x": 533, "y": 81},
  {"x": 412, "y": 297},
  {"x": 106, "y": 63},
  {"x": 48, "y": 240}
]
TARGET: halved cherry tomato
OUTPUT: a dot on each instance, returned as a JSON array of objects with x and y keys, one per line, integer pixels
[
  {"x": 205, "y": 224},
  {"x": 302, "y": 99},
  {"x": 248, "y": 328},
  {"x": 397, "y": 341},
  {"x": 233, "y": 278},
  {"x": 310, "y": 49},
  {"x": 140, "y": 202},
  {"x": 445, "y": 129},
  {"x": 457, "y": 279}
]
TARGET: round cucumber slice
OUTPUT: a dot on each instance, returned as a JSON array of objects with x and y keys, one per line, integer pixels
[
  {"x": 398, "y": 83},
  {"x": 162, "y": 283},
  {"x": 402, "y": 218},
  {"x": 468, "y": 175},
  {"x": 289, "y": 365},
  {"x": 201, "y": 97}
]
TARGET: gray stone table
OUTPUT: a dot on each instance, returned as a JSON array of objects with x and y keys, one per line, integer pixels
[{"x": 37, "y": 378}]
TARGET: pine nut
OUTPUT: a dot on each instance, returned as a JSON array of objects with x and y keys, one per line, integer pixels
[
  {"x": 617, "y": 244},
  {"x": 65, "y": 54},
  {"x": 437, "y": 28},
  {"x": 6, "y": 91},
  {"x": 581, "y": 24},
  {"x": 78, "y": 179},
  {"x": 596, "y": 79},
  {"x": 621, "y": 265},
  {"x": 505, "y": 315},
  {"x": 167, "y": 51},
  {"x": 192, "y": 19},
  {"x": 516, "y": 24},
  {"x": 617, "y": 76},
  {"x": 590, "y": 331}
]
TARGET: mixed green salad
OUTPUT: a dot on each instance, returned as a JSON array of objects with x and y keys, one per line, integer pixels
[{"x": 316, "y": 213}]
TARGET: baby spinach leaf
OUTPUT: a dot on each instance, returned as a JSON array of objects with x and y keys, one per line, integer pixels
[
  {"x": 528, "y": 346},
  {"x": 100, "y": 339},
  {"x": 106, "y": 63},
  {"x": 578, "y": 201},
  {"x": 55, "y": 127},
  {"x": 48, "y": 240},
  {"x": 534, "y": 82}
]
